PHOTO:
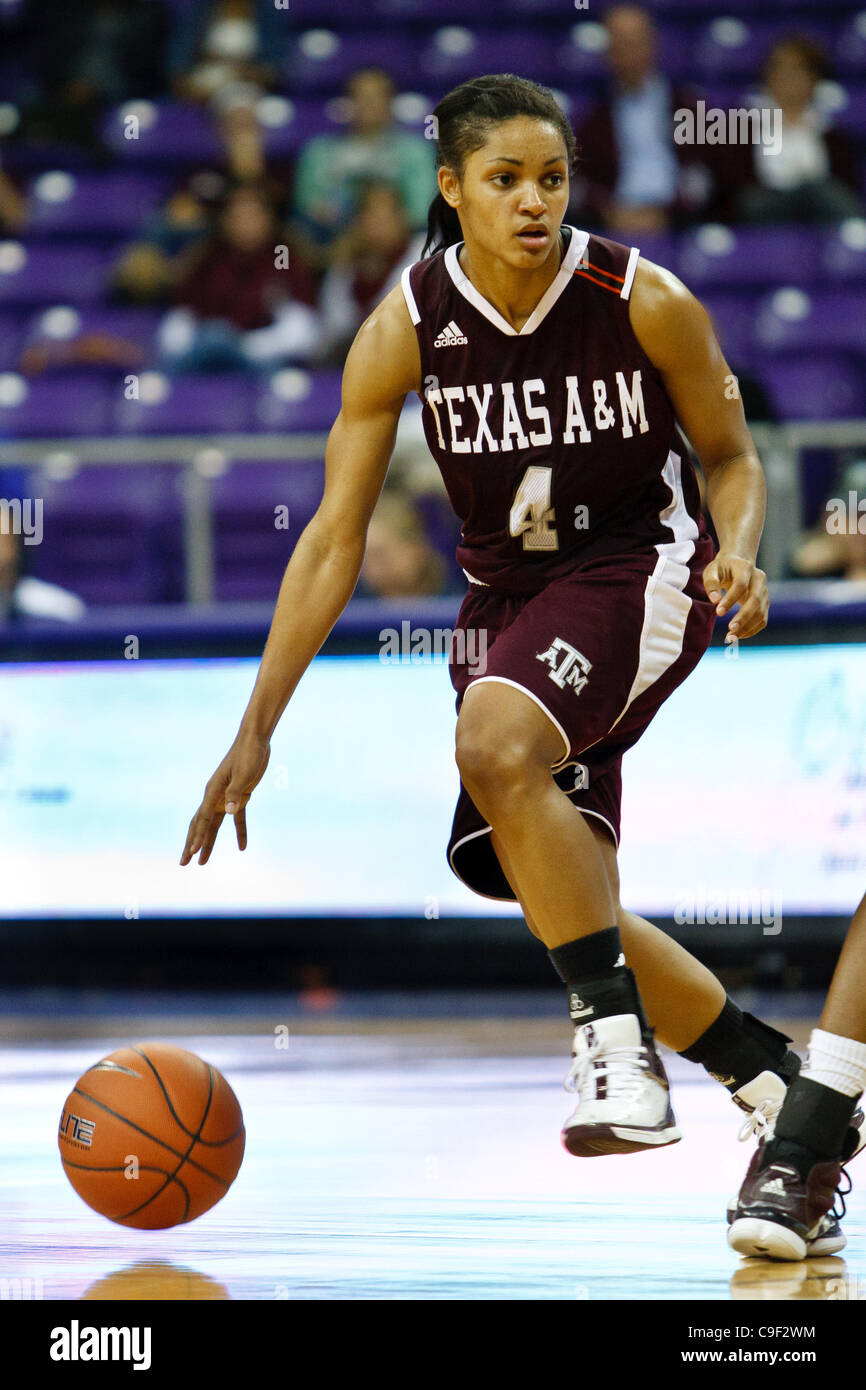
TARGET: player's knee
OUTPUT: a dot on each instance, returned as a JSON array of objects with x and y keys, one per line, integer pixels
[{"x": 496, "y": 763}]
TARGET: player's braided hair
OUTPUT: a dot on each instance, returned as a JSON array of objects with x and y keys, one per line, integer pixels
[{"x": 464, "y": 119}]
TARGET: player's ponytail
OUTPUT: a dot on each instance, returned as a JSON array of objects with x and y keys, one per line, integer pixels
[
  {"x": 462, "y": 122},
  {"x": 443, "y": 225}
]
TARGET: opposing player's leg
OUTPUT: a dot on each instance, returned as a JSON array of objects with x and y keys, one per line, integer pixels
[{"x": 786, "y": 1205}]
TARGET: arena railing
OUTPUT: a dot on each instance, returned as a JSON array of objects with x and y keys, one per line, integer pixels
[{"x": 204, "y": 457}]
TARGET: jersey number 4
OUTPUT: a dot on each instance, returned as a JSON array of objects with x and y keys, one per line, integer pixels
[{"x": 531, "y": 514}]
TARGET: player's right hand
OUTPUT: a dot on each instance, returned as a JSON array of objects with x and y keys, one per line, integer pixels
[{"x": 227, "y": 793}]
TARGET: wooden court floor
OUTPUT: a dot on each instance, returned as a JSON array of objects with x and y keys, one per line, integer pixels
[{"x": 391, "y": 1156}]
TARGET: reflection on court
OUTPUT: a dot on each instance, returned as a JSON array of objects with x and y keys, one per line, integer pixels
[{"x": 393, "y": 1157}]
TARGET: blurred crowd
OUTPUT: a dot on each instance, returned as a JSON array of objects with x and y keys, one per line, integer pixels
[{"x": 255, "y": 264}]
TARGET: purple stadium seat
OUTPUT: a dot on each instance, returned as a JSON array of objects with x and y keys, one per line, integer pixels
[
  {"x": 327, "y": 14},
  {"x": 667, "y": 10},
  {"x": 806, "y": 387},
  {"x": 62, "y": 323},
  {"x": 676, "y": 54},
  {"x": 851, "y": 117},
  {"x": 41, "y": 274},
  {"x": 320, "y": 60},
  {"x": 578, "y": 53},
  {"x": 843, "y": 251},
  {"x": 664, "y": 10},
  {"x": 12, "y": 339},
  {"x": 254, "y": 489},
  {"x": 849, "y": 51},
  {"x": 105, "y": 204},
  {"x": 455, "y": 52},
  {"x": 658, "y": 247},
  {"x": 540, "y": 9},
  {"x": 720, "y": 255},
  {"x": 58, "y": 404},
  {"x": 291, "y": 124},
  {"x": 295, "y": 399},
  {"x": 790, "y": 319},
  {"x": 167, "y": 132},
  {"x": 185, "y": 405},
  {"x": 103, "y": 532},
  {"x": 434, "y": 11},
  {"x": 733, "y": 318},
  {"x": 731, "y": 47},
  {"x": 580, "y": 48},
  {"x": 25, "y": 159},
  {"x": 251, "y": 552}
]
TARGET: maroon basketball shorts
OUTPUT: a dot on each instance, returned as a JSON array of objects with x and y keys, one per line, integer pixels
[{"x": 599, "y": 651}]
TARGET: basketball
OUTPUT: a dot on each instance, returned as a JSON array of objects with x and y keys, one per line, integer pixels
[{"x": 151, "y": 1136}]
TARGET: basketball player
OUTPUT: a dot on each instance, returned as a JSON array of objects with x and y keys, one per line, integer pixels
[
  {"x": 553, "y": 366},
  {"x": 785, "y": 1208}
]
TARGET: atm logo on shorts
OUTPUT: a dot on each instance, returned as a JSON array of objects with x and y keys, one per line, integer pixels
[
  {"x": 568, "y": 665},
  {"x": 76, "y": 1129}
]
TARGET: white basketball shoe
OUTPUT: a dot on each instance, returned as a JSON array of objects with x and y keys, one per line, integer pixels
[{"x": 624, "y": 1094}]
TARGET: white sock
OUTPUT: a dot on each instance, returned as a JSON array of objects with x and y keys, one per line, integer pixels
[{"x": 837, "y": 1062}]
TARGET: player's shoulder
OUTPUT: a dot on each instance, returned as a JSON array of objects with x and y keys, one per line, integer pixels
[
  {"x": 389, "y": 326},
  {"x": 658, "y": 287},
  {"x": 665, "y": 316},
  {"x": 384, "y": 361}
]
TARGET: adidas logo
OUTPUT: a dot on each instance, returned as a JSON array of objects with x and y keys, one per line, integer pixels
[
  {"x": 451, "y": 336},
  {"x": 774, "y": 1185}
]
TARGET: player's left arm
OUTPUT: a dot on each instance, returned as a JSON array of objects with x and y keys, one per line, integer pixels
[{"x": 675, "y": 332}]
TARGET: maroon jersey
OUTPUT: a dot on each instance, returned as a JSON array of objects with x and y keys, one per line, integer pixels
[{"x": 557, "y": 444}]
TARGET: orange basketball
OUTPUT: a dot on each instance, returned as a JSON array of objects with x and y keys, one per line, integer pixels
[{"x": 151, "y": 1136}]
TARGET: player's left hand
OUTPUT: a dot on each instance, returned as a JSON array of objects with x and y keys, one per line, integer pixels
[{"x": 742, "y": 583}]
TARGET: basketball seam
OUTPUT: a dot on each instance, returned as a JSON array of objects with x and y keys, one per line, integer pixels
[
  {"x": 213, "y": 1143},
  {"x": 143, "y": 1168},
  {"x": 76, "y": 1090},
  {"x": 173, "y": 1176}
]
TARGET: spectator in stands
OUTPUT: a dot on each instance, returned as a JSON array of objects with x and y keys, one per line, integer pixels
[
  {"x": 100, "y": 52},
  {"x": 332, "y": 168},
  {"x": 220, "y": 46},
  {"x": 366, "y": 262},
  {"x": 833, "y": 549},
  {"x": 13, "y": 206},
  {"x": 222, "y": 53},
  {"x": 241, "y": 305},
  {"x": 813, "y": 176},
  {"x": 401, "y": 561},
  {"x": 149, "y": 270},
  {"x": 632, "y": 176}
]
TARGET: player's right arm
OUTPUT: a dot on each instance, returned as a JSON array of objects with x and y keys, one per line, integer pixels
[{"x": 382, "y": 367}]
